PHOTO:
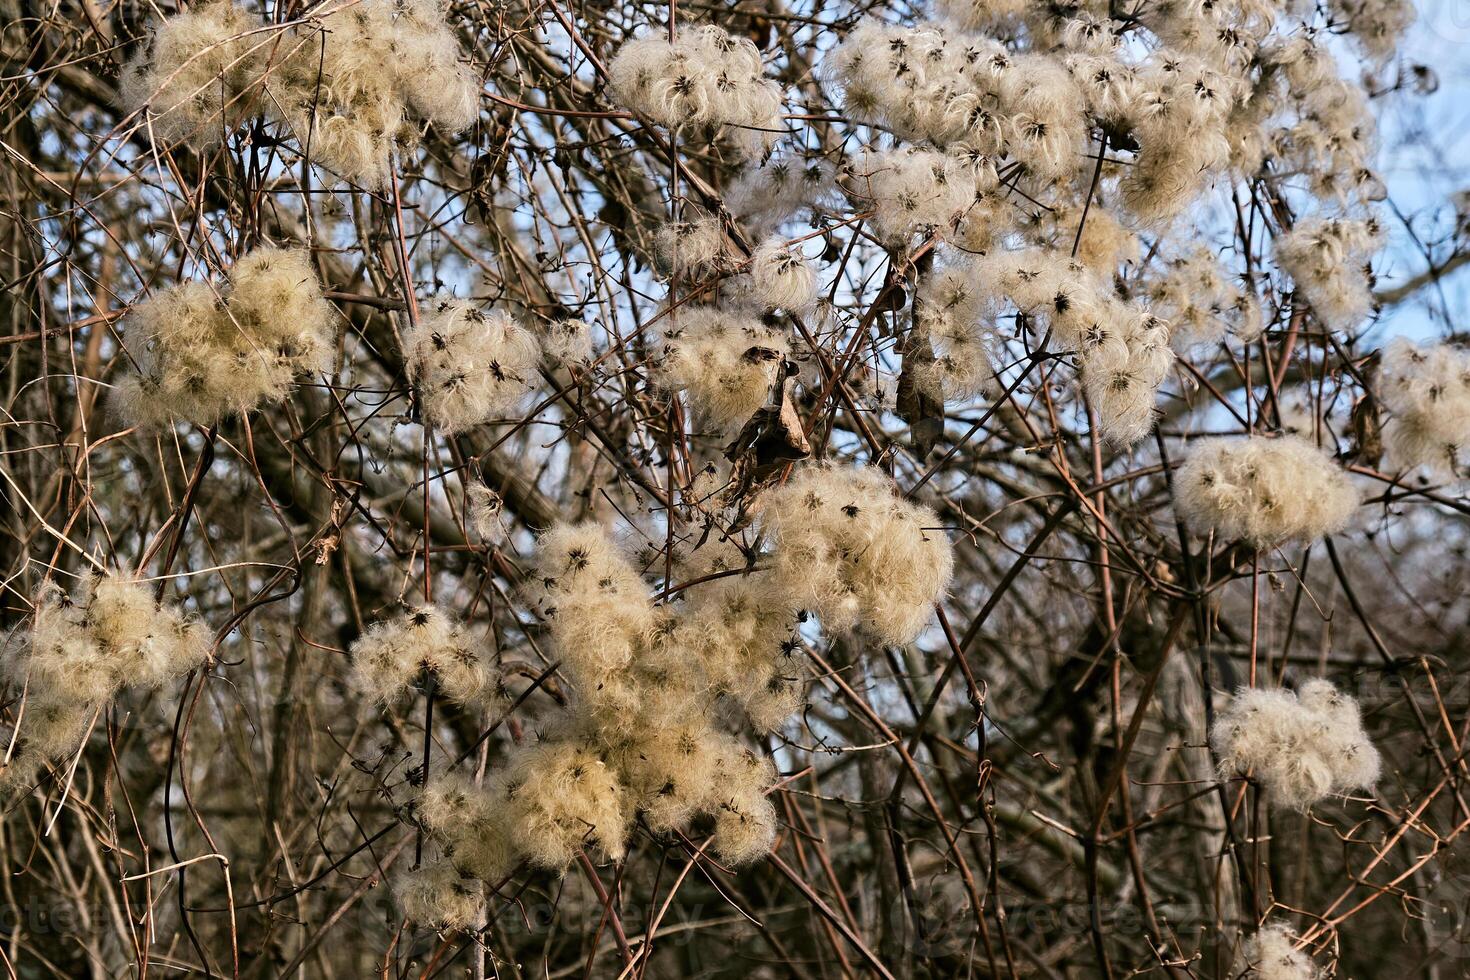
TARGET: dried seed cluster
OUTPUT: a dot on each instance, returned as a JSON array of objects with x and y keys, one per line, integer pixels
[
  {"x": 1303, "y": 747},
  {"x": 348, "y": 83},
  {"x": 206, "y": 351},
  {"x": 1265, "y": 491},
  {"x": 705, "y": 79},
  {"x": 470, "y": 366},
  {"x": 80, "y": 652}
]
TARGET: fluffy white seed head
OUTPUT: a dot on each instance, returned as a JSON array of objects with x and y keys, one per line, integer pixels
[
  {"x": 704, "y": 80},
  {"x": 466, "y": 820},
  {"x": 199, "y": 75},
  {"x": 110, "y": 634},
  {"x": 1377, "y": 25},
  {"x": 1328, "y": 260},
  {"x": 596, "y": 604},
  {"x": 1302, "y": 747},
  {"x": 691, "y": 247},
  {"x": 1271, "y": 954},
  {"x": 486, "y": 513},
  {"x": 391, "y": 655},
  {"x": 1123, "y": 366},
  {"x": 739, "y": 625},
  {"x": 781, "y": 277},
  {"x": 1426, "y": 390},
  {"x": 769, "y": 193},
  {"x": 910, "y": 191},
  {"x": 429, "y": 63},
  {"x": 470, "y": 366},
  {"x": 562, "y": 797},
  {"x": 567, "y": 343},
  {"x": 1122, "y": 349},
  {"x": 1265, "y": 491},
  {"x": 1200, "y": 302},
  {"x": 846, "y": 546},
  {"x": 1105, "y": 243},
  {"x": 350, "y": 82},
  {"x": 672, "y": 772},
  {"x": 81, "y": 651},
  {"x": 438, "y": 895},
  {"x": 745, "y": 819},
  {"x": 984, "y": 15},
  {"x": 204, "y": 353},
  {"x": 724, "y": 362},
  {"x": 957, "y": 315}
]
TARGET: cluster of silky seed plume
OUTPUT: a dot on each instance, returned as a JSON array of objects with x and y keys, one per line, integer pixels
[
  {"x": 349, "y": 82},
  {"x": 641, "y": 736},
  {"x": 81, "y": 651},
  {"x": 205, "y": 351}
]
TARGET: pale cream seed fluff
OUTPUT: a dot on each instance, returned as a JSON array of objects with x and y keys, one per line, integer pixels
[
  {"x": 1200, "y": 301},
  {"x": 693, "y": 247},
  {"x": 486, "y": 509},
  {"x": 562, "y": 797},
  {"x": 351, "y": 82},
  {"x": 470, "y": 366},
  {"x": 206, "y": 352},
  {"x": 567, "y": 343},
  {"x": 347, "y": 82},
  {"x": 671, "y": 772},
  {"x": 703, "y": 80},
  {"x": 466, "y": 820},
  {"x": 962, "y": 94},
  {"x": 781, "y": 277},
  {"x": 1328, "y": 260},
  {"x": 199, "y": 75},
  {"x": 724, "y": 362},
  {"x": 637, "y": 737},
  {"x": 1214, "y": 91},
  {"x": 1426, "y": 391},
  {"x": 1272, "y": 954},
  {"x": 845, "y": 545},
  {"x": 740, "y": 627},
  {"x": 1303, "y": 747},
  {"x": 745, "y": 818},
  {"x": 911, "y": 191},
  {"x": 596, "y": 604},
  {"x": 1121, "y": 348},
  {"x": 1105, "y": 243},
  {"x": 767, "y": 194},
  {"x": 957, "y": 316},
  {"x": 436, "y": 82},
  {"x": 1264, "y": 491},
  {"x": 1377, "y": 25},
  {"x": 437, "y": 895},
  {"x": 390, "y": 656},
  {"x": 984, "y": 15},
  {"x": 80, "y": 652}
]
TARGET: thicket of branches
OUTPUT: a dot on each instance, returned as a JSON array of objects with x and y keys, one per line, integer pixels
[{"x": 724, "y": 489}]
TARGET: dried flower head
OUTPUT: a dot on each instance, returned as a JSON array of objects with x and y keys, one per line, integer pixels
[
  {"x": 470, "y": 366},
  {"x": 80, "y": 652},
  {"x": 782, "y": 277},
  {"x": 724, "y": 362},
  {"x": 846, "y": 546},
  {"x": 199, "y": 75},
  {"x": 205, "y": 353},
  {"x": 1266, "y": 491},
  {"x": 705, "y": 79},
  {"x": 1271, "y": 954},
  {"x": 1426, "y": 389},
  {"x": 1302, "y": 747},
  {"x": 393, "y": 653},
  {"x": 438, "y": 895}
]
